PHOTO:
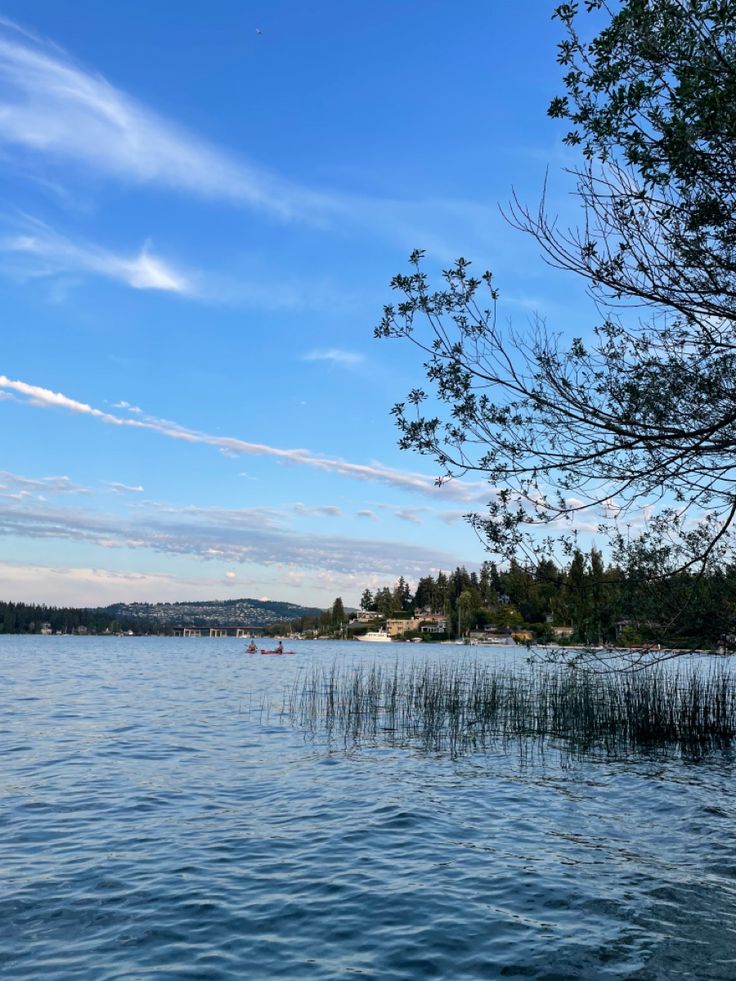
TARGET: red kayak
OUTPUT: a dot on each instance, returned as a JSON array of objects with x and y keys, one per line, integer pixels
[{"x": 278, "y": 652}]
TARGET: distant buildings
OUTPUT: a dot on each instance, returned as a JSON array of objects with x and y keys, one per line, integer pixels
[
  {"x": 436, "y": 625},
  {"x": 422, "y": 623},
  {"x": 396, "y": 628},
  {"x": 562, "y": 633}
]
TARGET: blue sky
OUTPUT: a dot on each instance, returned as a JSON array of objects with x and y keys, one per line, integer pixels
[{"x": 202, "y": 209}]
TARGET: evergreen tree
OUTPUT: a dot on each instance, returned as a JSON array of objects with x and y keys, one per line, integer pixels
[
  {"x": 338, "y": 613},
  {"x": 425, "y": 593},
  {"x": 577, "y": 596},
  {"x": 367, "y": 602},
  {"x": 384, "y": 601},
  {"x": 402, "y": 596}
]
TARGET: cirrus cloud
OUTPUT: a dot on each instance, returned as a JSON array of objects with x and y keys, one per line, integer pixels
[
  {"x": 53, "y": 109},
  {"x": 336, "y": 356},
  {"x": 471, "y": 491}
]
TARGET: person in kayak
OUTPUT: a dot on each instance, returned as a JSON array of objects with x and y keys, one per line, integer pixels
[
  {"x": 280, "y": 648},
  {"x": 251, "y": 648}
]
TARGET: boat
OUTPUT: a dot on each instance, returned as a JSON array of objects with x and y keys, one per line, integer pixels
[
  {"x": 493, "y": 640},
  {"x": 278, "y": 652},
  {"x": 376, "y": 637}
]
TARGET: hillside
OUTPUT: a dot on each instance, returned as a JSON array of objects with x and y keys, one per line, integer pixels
[{"x": 230, "y": 613}]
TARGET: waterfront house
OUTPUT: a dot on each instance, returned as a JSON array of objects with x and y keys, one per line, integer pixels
[
  {"x": 437, "y": 625},
  {"x": 397, "y": 627},
  {"x": 562, "y": 633},
  {"x": 523, "y": 636}
]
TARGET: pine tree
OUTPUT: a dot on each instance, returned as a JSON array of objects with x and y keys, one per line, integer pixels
[{"x": 366, "y": 601}]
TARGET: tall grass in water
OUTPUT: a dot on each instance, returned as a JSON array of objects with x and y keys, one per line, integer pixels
[{"x": 459, "y": 706}]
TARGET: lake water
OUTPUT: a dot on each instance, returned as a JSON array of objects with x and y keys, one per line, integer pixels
[{"x": 155, "y": 822}]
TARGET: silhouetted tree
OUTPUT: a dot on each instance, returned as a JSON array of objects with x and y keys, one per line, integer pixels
[{"x": 643, "y": 414}]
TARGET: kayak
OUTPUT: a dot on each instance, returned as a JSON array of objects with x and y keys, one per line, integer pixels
[{"x": 278, "y": 652}]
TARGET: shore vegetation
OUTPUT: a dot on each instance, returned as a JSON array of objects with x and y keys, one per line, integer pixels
[{"x": 462, "y": 706}]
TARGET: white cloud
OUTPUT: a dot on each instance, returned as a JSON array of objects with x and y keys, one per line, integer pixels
[
  {"x": 119, "y": 488},
  {"x": 318, "y": 510},
  {"x": 94, "y": 586},
  {"x": 51, "y": 105},
  {"x": 85, "y": 585},
  {"x": 242, "y": 519},
  {"x": 50, "y": 254},
  {"x": 376, "y": 472},
  {"x": 41, "y": 485},
  {"x": 239, "y": 536},
  {"x": 45, "y": 398},
  {"x": 146, "y": 272},
  {"x": 346, "y": 359},
  {"x": 33, "y": 250},
  {"x": 55, "y": 109},
  {"x": 411, "y": 515}
]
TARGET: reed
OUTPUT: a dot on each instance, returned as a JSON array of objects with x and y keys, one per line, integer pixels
[{"x": 459, "y": 706}]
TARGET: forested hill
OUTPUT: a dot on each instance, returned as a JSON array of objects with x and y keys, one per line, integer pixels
[
  {"x": 225, "y": 613},
  {"x": 146, "y": 618}
]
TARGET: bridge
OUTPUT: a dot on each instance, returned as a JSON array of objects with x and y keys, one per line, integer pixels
[{"x": 216, "y": 631}]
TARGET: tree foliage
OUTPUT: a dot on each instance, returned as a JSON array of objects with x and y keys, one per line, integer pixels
[
  {"x": 597, "y": 602},
  {"x": 634, "y": 427},
  {"x": 338, "y": 613},
  {"x": 22, "y": 618}
]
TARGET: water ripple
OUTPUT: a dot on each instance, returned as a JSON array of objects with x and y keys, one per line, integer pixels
[{"x": 154, "y": 824}]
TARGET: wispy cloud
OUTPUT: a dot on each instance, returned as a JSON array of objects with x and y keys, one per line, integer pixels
[
  {"x": 33, "y": 250},
  {"x": 215, "y": 534},
  {"x": 318, "y": 510},
  {"x": 336, "y": 356},
  {"x": 69, "y": 585},
  {"x": 15, "y": 483},
  {"x": 53, "y": 108},
  {"x": 119, "y": 488},
  {"x": 128, "y": 407},
  {"x": 49, "y": 254},
  {"x": 51, "y": 105},
  {"x": 471, "y": 491},
  {"x": 413, "y": 516},
  {"x": 90, "y": 586}
]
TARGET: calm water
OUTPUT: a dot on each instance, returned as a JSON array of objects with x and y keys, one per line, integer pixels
[{"x": 155, "y": 823}]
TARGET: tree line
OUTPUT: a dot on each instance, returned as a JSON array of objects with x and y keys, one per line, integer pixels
[
  {"x": 30, "y": 618},
  {"x": 602, "y": 603}
]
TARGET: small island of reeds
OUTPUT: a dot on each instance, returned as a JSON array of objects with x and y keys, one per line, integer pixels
[{"x": 465, "y": 706}]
